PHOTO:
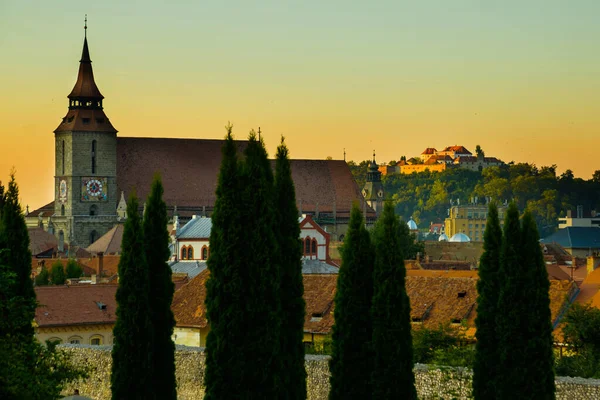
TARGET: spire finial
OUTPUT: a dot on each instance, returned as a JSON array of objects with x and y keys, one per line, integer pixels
[
  {"x": 85, "y": 26},
  {"x": 373, "y": 155}
]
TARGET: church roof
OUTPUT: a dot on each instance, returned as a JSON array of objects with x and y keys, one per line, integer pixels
[
  {"x": 85, "y": 87},
  {"x": 109, "y": 243},
  {"x": 189, "y": 169}
]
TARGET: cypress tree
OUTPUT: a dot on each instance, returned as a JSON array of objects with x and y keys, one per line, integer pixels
[
  {"x": 225, "y": 289},
  {"x": 292, "y": 288},
  {"x": 392, "y": 376},
  {"x": 57, "y": 273},
  {"x": 14, "y": 238},
  {"x": 156, "y": 243},
  {"x": 513, "y": 312},
  {"x": 488, "y": 287},
  {"x": 538, "y": 338},
  {"x": 351, "y": 336},
  {"x": 131, "y": 353},
  {"x": 263, "y": 372}
]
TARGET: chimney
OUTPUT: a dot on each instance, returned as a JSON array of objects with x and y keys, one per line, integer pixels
[
  {"x": 592, "y": 263},
  {"x": 100, "y": 265}
]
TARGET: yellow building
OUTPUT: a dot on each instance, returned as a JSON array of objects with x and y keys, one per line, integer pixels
[
  {"x": 78, "y": 314},
  {"x": 470, "y": 220}
]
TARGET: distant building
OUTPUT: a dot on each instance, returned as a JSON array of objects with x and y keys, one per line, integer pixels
[
  {"x": 576, "y": 240},
  {"x": 579, "y": 219},
  {"x": 373, "y": 189},
  {"x": 469, "y": 219}
]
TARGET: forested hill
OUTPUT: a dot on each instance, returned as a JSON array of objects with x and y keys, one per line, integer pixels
[{"x": 426, "y": 196}]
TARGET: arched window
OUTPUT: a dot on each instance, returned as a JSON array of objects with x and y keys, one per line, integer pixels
[
  {"x": 190, "y": 253},
  {"x": 61, "y": 241},
  {"x": 307, "y": 246},
  {"x": 56, "y": 340},
  {"x": 96, "y": 340},
  {"x": 62, "y": 210},
  {"x": 184, "y": 253},
  {"x": 314, "y": 246},
  {"x": 93, "y": 156},
  {"x": 204, "y": 253},
  {"x": 93, "y": 236},
  {"x": 75, "y": 340},
  {"x": 93, "y": 210}
]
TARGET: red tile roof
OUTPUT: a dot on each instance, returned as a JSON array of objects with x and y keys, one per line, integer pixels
[
  {"x": 75, "y": 305},
  {"x": 46, "y": 211},
  {"x": 429, "y": 150},
  {"x": 458, "y": 149},
  {"x": 48, "y": 262},
  {"x": 109, "y": 243}
]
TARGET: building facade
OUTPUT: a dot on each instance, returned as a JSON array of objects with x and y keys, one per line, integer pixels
[
  {"x": 469, "y": 219},
  {"x": 373, "y": 189}
]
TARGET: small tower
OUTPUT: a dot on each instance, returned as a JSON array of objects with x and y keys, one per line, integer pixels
[
  {"x": 85, "y": 178},
  {"x": 373, "y": 189}
]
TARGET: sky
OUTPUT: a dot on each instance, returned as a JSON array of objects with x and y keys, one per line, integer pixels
[{"x": 520, "y": 78}]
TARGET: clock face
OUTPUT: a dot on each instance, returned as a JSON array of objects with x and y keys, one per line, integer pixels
[
  {"x": 94, "y": 189},
  {"x": 62, "y": 191}
]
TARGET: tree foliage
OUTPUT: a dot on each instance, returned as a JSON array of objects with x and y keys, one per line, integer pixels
[
  {"x": 392, "y": 373},
  {"x": 581, "y": 332},
  {"x": 351, "y": 334},
  {"x": 132, "y": 352},
  {"x": 156, "y": 244},
  {"x": 57, "y": 273},
  {"x": 43, "y": 278},
  {"x": 426, "y": 195},
  {"x": 243, "y": 297},
  {"x": 73, "y": 269},
  {"x": 488, "y": 286},
  {"x": 292, "y": 288}
]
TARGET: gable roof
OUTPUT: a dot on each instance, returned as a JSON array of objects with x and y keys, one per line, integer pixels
[
  {"x": 44, "y": 211},
  {"x": 75, "y": 305},
  {"x": 110, "y": 264},
  {"x": 189, "y": 170},
  {"x": 575, "y": 237},
  {"x": 457, "y": 149},
  {"x": 188, "y": 305},
  {"x": 196, "y": 228},
  {"x": 109, "y": 243},
  {"x": 41, "y": 241},
  {"x": 429, "y": 150}
]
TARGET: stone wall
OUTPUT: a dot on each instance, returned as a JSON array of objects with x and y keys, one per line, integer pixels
[{"x": 431, "y": 382}]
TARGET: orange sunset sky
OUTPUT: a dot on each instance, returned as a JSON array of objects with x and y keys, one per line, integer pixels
[{"x": 520, "y": 78}]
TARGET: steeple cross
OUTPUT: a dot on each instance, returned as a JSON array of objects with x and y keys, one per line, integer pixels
[{"x": 85, "y": 26}]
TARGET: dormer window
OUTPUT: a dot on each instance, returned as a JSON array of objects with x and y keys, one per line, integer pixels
[
  {"x": 99, "y": 120},
  {"x": 86, "y": 121}
]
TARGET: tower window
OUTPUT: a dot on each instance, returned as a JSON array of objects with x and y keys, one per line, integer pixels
[
  {"x": 62, "y": 210},
  {"x": 63, "y": 157},
  {"x": 93, "y": 210},
  {"x": 93, "y": 236},
  {"x": 93, "y": 156},
  {"x": 86, "y": 121}
]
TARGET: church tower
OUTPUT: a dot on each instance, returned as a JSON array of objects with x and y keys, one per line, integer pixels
[
  {"x": 373, "y": 189},
  {"x": 86, "y": 164}
]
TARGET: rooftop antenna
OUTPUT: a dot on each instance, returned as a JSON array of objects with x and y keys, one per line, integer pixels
[{"x": 85, "y": 27}]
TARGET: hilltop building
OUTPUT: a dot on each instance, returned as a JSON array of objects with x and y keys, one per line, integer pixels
[
  {"x": 579, "y": 219},
  {"x": 94, "y": 168}
]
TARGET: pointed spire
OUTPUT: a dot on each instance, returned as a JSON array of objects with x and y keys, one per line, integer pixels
[{"x": 85, "y": 88}]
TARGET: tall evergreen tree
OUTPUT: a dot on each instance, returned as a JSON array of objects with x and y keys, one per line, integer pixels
[
  {"x": 392, "y": 375},
  {"x": 351, "y": 336},
  {"x": 513, "y": 312},
  {"x": 43, "y": 278},
  {"x": 2, "y": 194},
  {"x": 156, "y": 243},
  {"x": 131, "y": 353},
  {"x": 292, "y": 288},
  {"x": 538, "y": 338},
  {"x": 14, "y": 238},
  {"x": 488, "y": 288},
  {"x": 261, "y": 273},
  {"x": 225, "y": 288}
]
